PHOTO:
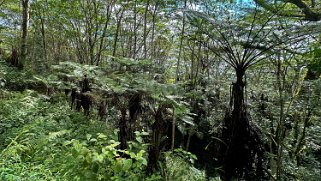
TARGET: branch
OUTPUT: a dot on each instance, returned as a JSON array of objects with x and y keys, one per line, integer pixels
[
  {"x": 309, "y": 14},
  {"x": 275, "y": 11},
  {"x": 2, "y": 2}
]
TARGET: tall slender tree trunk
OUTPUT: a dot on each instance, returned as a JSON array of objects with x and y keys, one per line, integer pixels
[
  {"x": 117, "y": 31},
  {"x": 145, "y": 29},
  {"x": 277, "y": 168},
  {"x": 189, "y": 136},
  {"x": 199, "y": 59},
  {"x": 153, "y": 30},
  {"x": 95, "y": 23},
  {"x": 192, "y": 63},
  {"x": 101, "y": 45},
  {"x": 25, "y": 24},
  {"x": 90, "y": 50},
  {"x": 43, "y": 33},
  {"x": 181, "y": 44},
  {"x": 135, "y": 30}
]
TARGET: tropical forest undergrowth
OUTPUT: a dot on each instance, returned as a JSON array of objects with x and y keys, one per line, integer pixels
[
  {"x": 42, "y": 139},
  {"x": 166, "y": 90}
]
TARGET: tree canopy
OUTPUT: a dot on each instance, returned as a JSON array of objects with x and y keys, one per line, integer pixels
[{"x": 160, "y": 90}]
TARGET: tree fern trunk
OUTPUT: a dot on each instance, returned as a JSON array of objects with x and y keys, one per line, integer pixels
[{"x": 242, "y": 151}]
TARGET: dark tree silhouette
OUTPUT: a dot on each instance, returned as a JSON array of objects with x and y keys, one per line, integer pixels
[
  {"x": 241, "y": 151},
  {"x": 85, "y": 87}
]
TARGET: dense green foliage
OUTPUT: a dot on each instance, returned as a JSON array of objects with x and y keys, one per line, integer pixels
[
  {"x": 41, "y": 139},
  {"x": 160, "y": 90}
]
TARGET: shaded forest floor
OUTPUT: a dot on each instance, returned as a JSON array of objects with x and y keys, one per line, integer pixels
[{"x": 42, "y": 139}]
